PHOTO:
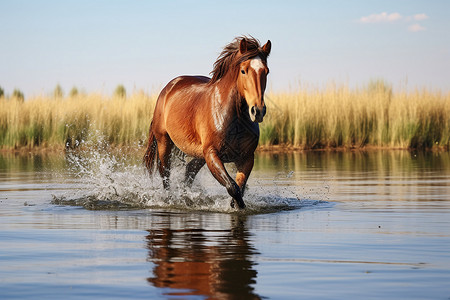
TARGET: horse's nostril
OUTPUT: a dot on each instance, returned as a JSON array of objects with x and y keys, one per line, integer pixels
[{"x": 253, "y": 110}]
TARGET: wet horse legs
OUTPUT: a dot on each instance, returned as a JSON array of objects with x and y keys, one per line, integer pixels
[
  {"x": 192, "y": 168},
  {"x": 244, "y": 168},
  {"x": 165, "y": 145},
  {"x": 219, "y": 172}
]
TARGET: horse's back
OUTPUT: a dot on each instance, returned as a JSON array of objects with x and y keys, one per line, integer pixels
[
  {"x": 180, "y": 83},
  {"x": 181, "y": 87},
  {"x": 177, "y": 111}
]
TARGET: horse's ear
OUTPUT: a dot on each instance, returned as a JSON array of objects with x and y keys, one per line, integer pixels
[
  {"x": 267, "y": 47},
  {"x": 243, "y": 46}
]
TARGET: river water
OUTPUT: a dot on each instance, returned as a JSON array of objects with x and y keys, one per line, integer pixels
[{"x": 346, "y": 225}]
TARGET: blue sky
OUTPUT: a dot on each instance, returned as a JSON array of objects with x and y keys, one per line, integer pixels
[{"x": 96, "y": 45}]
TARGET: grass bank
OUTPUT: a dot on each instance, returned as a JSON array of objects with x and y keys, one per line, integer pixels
[
  {"x": 373, "y": 116},
  {"x": 310, "y": 118},
  {"x": 66, "y": 122}
]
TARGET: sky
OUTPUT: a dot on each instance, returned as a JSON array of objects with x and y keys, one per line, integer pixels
[{"x": 96, "y": 45}]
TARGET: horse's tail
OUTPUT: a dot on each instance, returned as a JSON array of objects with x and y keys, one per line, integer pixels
[{"x": 150, "y": 153}]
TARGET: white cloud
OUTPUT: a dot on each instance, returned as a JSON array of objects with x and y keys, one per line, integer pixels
[
  {"x": 383, "y": 17},
  {"x": 420, "y": 17},
  {"x": 416, "y": 27}
]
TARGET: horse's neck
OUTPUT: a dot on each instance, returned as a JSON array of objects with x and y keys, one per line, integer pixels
[{"x": 229, "y": 99}]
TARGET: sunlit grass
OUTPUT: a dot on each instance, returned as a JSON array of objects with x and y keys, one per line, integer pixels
[
  {"x": 334, "y": 116},
  {"x": 339, "y": 117},
  {"x": 66, "y": 122}
]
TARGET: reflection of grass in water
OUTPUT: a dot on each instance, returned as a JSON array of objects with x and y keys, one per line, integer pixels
[
  {"x": 296, "y": 180},
  {"x": 319, "y": 169},
  {"x": 335, "y": 116}
]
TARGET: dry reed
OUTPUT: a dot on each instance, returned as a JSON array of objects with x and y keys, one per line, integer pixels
[
  {"x": 310, "y": 118},
  {"x": 339, "y": 117},
  {"x": 56, "y": 122}
]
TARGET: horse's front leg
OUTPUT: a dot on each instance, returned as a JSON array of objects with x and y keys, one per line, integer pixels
[
  {"x": 219, "y": 172},
  {"x": 244, "y": 168}
]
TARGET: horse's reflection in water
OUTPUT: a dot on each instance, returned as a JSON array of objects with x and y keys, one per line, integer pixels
[{"x": 213, "y": 263}]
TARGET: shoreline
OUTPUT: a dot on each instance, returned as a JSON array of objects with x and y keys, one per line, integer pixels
[
  {"x": 259, "y": 149},
  {"x": 290, "y": 148}
]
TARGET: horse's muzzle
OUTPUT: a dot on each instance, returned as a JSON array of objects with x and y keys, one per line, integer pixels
[{"x": 257, "y": 113}]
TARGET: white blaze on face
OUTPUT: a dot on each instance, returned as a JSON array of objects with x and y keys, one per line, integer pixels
[{"x": 256, "y": 64}]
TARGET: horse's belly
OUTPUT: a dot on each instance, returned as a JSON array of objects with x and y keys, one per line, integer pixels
[
  {"x": 191, "y": 149},
  {"x": 185, "y": 140},
  {"x": 181, "y": 129}
]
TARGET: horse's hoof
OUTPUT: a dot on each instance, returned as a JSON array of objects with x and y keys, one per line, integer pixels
[
  {"x": 232, "y": 203},
  {"x": 241, "y": 205}
]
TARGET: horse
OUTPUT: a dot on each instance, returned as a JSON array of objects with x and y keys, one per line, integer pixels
[{"x": 213, "y": 120}]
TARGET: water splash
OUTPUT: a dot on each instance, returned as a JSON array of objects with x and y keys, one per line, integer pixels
[{"x": 114, "y": 181}]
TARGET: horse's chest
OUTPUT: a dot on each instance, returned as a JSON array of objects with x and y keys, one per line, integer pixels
[{"x": 241, "y": 139}]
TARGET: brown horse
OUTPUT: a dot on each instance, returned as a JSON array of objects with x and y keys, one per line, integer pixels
[{"x": 215, "y": 120}]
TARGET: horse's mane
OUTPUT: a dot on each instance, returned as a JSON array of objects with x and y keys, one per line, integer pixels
[{"x": 230, "y": 58}]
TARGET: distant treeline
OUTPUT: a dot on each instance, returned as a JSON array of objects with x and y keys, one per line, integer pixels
[
  {"x": 58, "y": 92},
  {"x": 335, "y": 116}
]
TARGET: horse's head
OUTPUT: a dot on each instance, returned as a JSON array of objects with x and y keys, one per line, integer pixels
[{"x": 252, "y": 80}]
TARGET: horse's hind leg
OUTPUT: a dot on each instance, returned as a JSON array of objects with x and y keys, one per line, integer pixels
[
  {"x": 192, "y": 168},
  {"x": 165, "y": 145}
]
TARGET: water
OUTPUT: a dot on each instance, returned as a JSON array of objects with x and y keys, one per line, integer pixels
[{"x": 319, "y": 226}]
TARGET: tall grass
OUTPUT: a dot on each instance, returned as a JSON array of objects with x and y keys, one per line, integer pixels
[
  {"x": 310, "y": 118},
  {"x": 340, "y": 117},
  {"x": 58, "y": 122}
]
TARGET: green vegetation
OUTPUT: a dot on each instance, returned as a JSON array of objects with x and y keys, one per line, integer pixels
[
  {"x": 120, "y": 91},
  {"x": 58, "y": 92},
  {"x": 73, "y": 92},
  {"x": 331, "y": 117},
  {"x": 18, "y": 95}
]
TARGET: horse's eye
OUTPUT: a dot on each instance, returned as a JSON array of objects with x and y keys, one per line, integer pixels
[{"x": 243, "y": 72}]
